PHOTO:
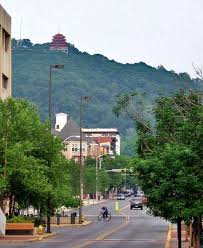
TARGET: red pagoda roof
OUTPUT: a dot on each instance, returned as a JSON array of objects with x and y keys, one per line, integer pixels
[{"x": 59, "y": 42}]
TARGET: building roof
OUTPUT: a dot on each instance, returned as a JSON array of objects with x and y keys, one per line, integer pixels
[
  {"x": 58, "y": 41},
  {"x": 55, "y": 132},
  {"x": 103, "y": 139},
  {"x": 70, "y": 129},
  {"x": 100, "y": 130},
  {"x": 73, "y": 138}
]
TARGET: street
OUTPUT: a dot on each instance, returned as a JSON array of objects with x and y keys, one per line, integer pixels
[{"x": 128, "y": 228}]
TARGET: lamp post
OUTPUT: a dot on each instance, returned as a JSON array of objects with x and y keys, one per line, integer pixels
[
  {"x": 82, "y": 98},
  {"x": 56, "y": 66},
  {"x": 97, "y": 160},
  {"x": 98, "y": 165}
]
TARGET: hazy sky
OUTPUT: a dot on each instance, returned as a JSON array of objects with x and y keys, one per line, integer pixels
[{"x": 167, "y": 32}]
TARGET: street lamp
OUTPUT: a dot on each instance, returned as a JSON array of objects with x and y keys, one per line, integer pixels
[
  {"x": 56, "y": 66},
  {"x": 98, "y": 164},
  {"x": 82, "y": 98}
]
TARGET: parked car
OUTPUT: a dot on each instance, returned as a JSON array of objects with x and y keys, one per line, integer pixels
[
  {"x": 120, "y": 197},
  {"x": 136, "y": 203},
  {"x": 127, "y": 194}
]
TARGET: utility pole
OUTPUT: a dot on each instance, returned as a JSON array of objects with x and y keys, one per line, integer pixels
[
  {"x": 57, "y": 66},
  {"x": 81, "y": 157},
  {"x": 97, "y": 160}
]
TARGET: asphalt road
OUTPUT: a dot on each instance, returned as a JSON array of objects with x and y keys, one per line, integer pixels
[{"x": 129, "y": 228}]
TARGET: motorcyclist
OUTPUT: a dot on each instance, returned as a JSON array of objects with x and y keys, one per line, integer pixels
[{"x": 104, "y": 211}]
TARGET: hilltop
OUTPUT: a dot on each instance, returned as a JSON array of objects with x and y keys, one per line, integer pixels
[{"x": 85, "y": 74}]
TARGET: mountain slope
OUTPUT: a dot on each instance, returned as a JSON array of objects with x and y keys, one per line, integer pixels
[{"x": 85, "y": 74}]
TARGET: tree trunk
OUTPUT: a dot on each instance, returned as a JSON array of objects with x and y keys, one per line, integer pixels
[
  {"x": 196, "y": 226},
  {"x": 179, "y": 231},
  {"x": 2, "y": 204},
  {"x": 13, "y": 206},
  {"x": 49, "y": 216},
  {"x": 10, "y": 205}
]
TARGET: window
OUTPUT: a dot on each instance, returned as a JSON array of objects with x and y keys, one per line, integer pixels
[
  {"x": 5, "y": 40},
  {"x": 74, "y": 148},
  {"x": 4, "y": 82},
  {"x": 57, "y": 126},
  {"x": 4, "y": 86},
  {"x": 66, "y": 148}
]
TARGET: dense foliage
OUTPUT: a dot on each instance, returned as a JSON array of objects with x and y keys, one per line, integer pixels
[
  {"x": 105, "y": 180},
  {"x": 86, "y": 74},
  {"x": 31, "y": 162},
  {"x": 169, "y": 165}
]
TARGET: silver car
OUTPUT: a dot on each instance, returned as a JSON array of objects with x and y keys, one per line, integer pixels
[{"x": 120, "y": 197}]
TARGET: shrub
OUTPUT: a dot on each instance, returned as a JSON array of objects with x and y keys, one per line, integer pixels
[
  {"x": 20, "y": 219},
  {"x": 39, "y": 221}
]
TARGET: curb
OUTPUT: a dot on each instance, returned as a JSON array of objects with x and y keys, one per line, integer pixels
[
  {"x": 19, "y": 241},
  {"x": 46, "y": 235},
  {"x": 85, "y": 223},
  {"x": 168, "y": 238},
  {"x": 34, "y": 239}
]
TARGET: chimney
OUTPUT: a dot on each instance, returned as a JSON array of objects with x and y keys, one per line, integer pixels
[{"x": 61, "y": 120}]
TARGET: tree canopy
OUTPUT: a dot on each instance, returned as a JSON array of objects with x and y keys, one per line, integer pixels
[{"x": 31, "y": 162}]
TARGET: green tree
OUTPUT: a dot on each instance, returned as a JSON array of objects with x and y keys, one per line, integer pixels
[
  {"x": 20, "y": 124},
  {"x": 32, "y": 166},
  {"x": 169, "y": 168}
]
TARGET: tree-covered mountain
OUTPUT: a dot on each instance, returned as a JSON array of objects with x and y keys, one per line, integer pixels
[{"x": 85, "y": 74}]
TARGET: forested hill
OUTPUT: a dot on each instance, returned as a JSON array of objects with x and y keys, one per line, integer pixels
[{"x": 84, "y": 74}]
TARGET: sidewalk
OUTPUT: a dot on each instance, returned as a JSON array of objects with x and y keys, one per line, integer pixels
[
  {"x": 34, "y": 238},
  {"x": 88, "y": 202},
  {"x": 173, "y": 242}
]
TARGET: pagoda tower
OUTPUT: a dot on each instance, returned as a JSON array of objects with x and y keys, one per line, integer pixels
[{"x": 59, "y": 43}]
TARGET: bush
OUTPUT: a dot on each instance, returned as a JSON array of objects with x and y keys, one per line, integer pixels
[
  {"x": 39, "y": 221},
  {"x": 20, "y": 219}
]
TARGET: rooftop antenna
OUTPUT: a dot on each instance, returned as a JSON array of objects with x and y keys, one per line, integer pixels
[
  {"x": 58, "y": 29},
  {"x": 19, "y": 41},
  {"x": 21, "y": 28}
]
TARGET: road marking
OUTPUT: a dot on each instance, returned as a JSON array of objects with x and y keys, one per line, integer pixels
[
  {"x": 168, "y": 239},
  {"x": 96, "y": 215},
  {"x": 102, "y": 236},
  {"x": 106, "y": 234},
  {"x": 124, "y": 207}
]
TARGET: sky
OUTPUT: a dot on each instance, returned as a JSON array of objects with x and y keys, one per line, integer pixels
[{"x": 157, "y": 32}]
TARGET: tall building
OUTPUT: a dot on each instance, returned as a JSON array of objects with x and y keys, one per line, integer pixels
[
  {"x": 5, "y": 51},
  {"x": 59, "y": 43}
]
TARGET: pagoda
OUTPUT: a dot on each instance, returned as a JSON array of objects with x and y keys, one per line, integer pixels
[{"x": 59, "y": 43}]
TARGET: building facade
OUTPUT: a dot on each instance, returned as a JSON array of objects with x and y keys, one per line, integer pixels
[
  {"x": 95, "y": 142},
  {"x": 5, "y": 52},
  {"x": 69, "y": 131},
  {"x": 108, "y": 139}
]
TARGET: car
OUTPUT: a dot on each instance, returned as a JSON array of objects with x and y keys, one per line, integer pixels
[
  {"x": 120, "y": 197},
  {"x": 127, "y": 194},
  {"x": 136, "y": 203}
]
